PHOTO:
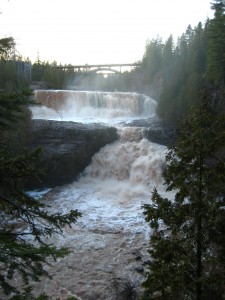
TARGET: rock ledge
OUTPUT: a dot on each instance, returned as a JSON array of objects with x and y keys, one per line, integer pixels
[{"x": 67, "y": 149}]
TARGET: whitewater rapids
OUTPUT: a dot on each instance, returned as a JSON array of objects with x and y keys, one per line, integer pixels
[{"x": 109, "y": 242}]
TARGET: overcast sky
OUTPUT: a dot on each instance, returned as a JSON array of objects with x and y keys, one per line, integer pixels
[{"x": 95, "y": 31}]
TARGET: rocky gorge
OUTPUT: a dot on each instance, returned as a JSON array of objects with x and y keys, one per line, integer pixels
[
  {"x": 68, "y": 147},
  {"x": 103, "y": 153}
]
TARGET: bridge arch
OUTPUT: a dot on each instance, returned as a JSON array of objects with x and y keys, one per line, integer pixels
[{"x": 109, "y": 70}]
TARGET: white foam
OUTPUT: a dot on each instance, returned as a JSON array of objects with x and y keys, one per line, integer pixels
[
  {"x": 110, "y": 195},
  {"x": 89, "y": 107}
]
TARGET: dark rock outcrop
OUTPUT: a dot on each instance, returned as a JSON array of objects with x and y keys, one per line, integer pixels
[
  {"x": 156, "y": 131},
  {"x": 67, "y": 149}
]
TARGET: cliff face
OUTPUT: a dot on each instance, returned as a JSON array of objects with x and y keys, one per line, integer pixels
[{"x": 67, "y": 149}]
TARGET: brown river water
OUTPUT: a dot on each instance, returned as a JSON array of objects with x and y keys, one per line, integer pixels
[{"x": 109, "y": 242}]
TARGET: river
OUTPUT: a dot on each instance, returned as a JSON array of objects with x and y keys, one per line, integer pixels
[{"x": 109, "y": 242}]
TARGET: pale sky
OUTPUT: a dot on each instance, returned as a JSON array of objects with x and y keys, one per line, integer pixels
[{"x": 95, "y": 31}]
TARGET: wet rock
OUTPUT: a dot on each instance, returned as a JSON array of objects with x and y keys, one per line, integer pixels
[
  {"x": 139, "y": 269},
  {"x": 67, "y": 149},
  {"x": 156, "y": 131},
  {"x": 138, "y": 257},
  {"x": 146, "y": 263}
]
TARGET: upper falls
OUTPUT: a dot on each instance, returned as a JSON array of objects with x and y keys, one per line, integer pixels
[{"x": 90, "y": 106}]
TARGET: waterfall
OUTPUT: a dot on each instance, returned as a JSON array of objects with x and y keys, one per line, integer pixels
[
  {"x": 86, "y": 106},
  {"x": 110, "y": 239},
  {"x": 106, "y": 241},
  {"x": 132, "y": 162}
]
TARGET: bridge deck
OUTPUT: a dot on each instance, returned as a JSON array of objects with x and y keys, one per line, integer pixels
[{"x": 98, "y": 66}]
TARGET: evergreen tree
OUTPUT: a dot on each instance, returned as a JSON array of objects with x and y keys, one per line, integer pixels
[
  {"x": 12, "y": 73},
  {"x": 216, "y": 45},
  {"x": 152, "y": 60},
  {"x": 7, "y": 46},
  {"x": 187, "y": 245},
  {"x": 25, "y": 223}
]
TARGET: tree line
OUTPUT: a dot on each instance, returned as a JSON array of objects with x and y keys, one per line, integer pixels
[{"x": 180, "y": 70}]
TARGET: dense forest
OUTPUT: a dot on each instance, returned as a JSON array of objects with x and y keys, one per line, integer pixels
[
  {"x": 187, "y": 78},
  {"x": 187, "y": 243}
]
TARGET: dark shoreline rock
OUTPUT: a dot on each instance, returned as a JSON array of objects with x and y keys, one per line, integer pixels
[
  {"x": 156, "y": 131},
  {"x": 67, "y": 149}
]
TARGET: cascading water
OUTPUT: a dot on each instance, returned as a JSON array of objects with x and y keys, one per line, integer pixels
[
  {"x": 92, "y": 106},
  {"x": 110, "y": 239}
]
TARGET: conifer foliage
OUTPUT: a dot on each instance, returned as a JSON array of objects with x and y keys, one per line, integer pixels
[
  {"x": 25, "y": 223},
  {"x": 187, "y": 245},
  {"x": 216, "y": 45},
  {"x": 7, "y": 46}
]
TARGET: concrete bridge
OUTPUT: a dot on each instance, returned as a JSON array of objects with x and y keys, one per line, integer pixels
[{"x": 100, "y": 69}]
